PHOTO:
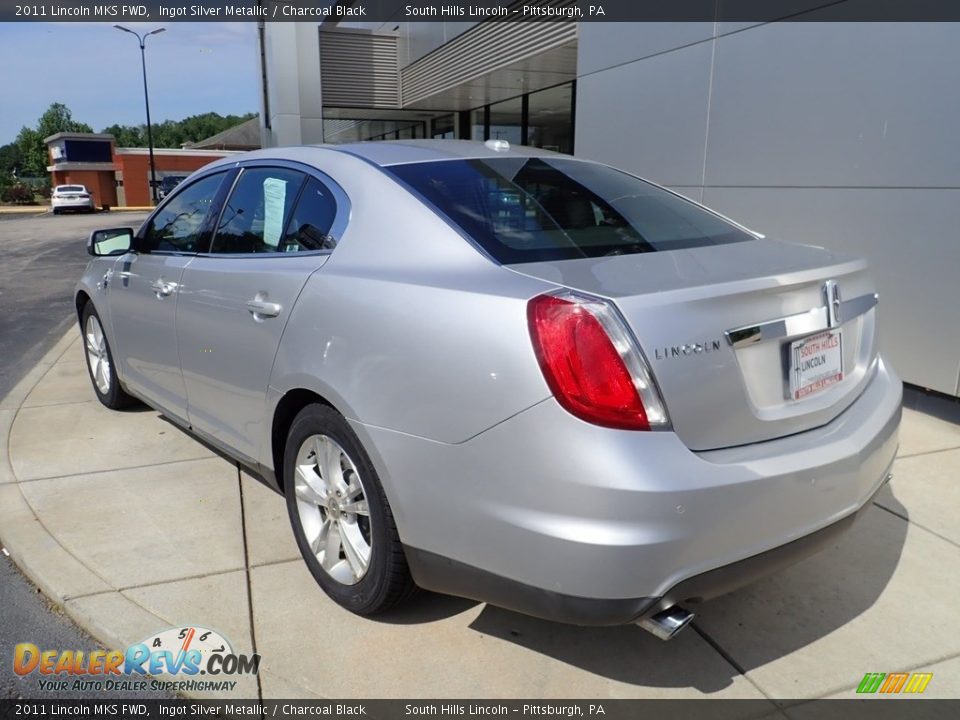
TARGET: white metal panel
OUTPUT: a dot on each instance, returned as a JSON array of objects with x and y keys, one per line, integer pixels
[
  {"x": 836, "y": 105},
  {"x": 649, "y": 116}
]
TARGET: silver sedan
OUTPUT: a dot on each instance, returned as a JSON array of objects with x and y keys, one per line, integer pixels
[{"x": 502, "y": 373}]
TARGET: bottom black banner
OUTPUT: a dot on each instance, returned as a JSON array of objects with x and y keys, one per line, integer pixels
[{"x": 876, "y": 708}]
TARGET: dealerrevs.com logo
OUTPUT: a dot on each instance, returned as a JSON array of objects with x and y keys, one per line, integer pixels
[{"x": 184, "y": 653}]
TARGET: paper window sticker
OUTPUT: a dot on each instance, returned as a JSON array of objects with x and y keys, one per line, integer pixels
[{"x": 274, "y": 197}]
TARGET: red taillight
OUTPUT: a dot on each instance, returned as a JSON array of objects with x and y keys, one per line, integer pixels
[{"x": 582, "y": 366}]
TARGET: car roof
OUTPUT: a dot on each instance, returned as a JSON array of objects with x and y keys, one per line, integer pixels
[
  {"x": 384, "y": 153},
  {"x": 397, "y": 152}
]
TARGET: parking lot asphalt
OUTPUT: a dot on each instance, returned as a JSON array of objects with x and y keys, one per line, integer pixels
[
  {"x": 131, "y": 526},
  {"x": 43, "y": 256}
]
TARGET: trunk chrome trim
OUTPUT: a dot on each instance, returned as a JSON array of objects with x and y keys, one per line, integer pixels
[{"x": 814, "y": 320}]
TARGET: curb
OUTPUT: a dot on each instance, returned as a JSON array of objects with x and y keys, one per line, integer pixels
[{"x": 31, "y": 210}]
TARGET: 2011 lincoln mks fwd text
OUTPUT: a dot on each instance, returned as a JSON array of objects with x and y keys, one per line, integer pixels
[{"x": 502, "y": 373}]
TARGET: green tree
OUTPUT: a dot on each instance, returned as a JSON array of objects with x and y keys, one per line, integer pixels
[
  {"x": 58, "y": 118},
  {"x": 127, "y": 135},
  {"x": 174, "y": 133},
  {"x": 29, "y": 142},
  {"x": 169, "y": 134},
  {"x": 33, "y": 153},
  {"x": 10, "y": 161}
]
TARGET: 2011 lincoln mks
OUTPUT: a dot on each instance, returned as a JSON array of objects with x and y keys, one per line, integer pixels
[{"x": 502, "y": 373}]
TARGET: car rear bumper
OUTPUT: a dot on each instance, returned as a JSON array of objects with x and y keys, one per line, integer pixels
[
  {"x": 557, "y": 518},
  {"x": 79, "y": 204},
  {"x": 447, "y": 576}
]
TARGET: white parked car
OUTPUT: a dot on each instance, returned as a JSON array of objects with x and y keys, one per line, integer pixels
[{"x": 71, "y": 197}]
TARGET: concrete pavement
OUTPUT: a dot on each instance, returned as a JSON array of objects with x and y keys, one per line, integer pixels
[{"x": 132, "y": 526}]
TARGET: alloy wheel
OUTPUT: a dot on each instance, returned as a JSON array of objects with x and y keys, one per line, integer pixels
[
  {"x": 332, "y": 505},
  {"x": 97, "y": 356}
]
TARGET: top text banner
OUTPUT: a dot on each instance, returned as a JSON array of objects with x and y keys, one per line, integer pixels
[{"x": 384, "y": 11}]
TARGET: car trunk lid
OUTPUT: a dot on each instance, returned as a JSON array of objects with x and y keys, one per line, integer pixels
[{"x": 720, "y": 327}]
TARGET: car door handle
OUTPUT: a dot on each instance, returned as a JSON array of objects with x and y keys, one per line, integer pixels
[
  {"x": 162, "y": 289},
  {"x": 261, "y": 308}
]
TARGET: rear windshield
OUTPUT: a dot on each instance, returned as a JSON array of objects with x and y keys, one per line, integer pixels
[
  {"x": 71, "y": 188},
  {"x": 534, "y": 209}
]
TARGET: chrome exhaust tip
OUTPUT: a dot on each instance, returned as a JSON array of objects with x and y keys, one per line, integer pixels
[{"x": 667, "y": 623}]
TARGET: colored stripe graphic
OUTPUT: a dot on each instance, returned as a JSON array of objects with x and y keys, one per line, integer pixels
[
  {"x": 871, "y": 682},
  {"x": 918, "y": 682},
  {"x": 892, "y": 683}
]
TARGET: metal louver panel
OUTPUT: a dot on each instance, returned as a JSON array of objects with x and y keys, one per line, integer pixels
[
  {"x": 481, "y": 50},
  {"x": 336, "y": 126},
  {"x": 359, "y": 69}
]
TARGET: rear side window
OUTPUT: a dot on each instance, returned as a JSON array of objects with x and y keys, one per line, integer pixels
[
  {"x": 534, "y": 209},
  {"x": 255, "y": 216},
  {"x": 312, "y": 218},
  {"x": 177, "y": 225}
]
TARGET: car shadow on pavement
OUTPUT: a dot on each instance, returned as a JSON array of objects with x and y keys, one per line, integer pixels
[
  {"x": 755, "y": 625},
  {"x": 425, "y": 607},
  {"x": 138, "y": 406},
  {"x": 939, "y": 406}
]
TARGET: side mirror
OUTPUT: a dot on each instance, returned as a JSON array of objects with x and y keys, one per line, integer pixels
[{"x": 115, "y": 241}]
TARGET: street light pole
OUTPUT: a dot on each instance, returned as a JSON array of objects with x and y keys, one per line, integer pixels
[{"x": 146, "y": 98}]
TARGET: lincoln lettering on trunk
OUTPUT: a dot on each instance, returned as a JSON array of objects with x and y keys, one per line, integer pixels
[{"x": 673, "y": 351}]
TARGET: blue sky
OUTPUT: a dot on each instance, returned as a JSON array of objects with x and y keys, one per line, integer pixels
[{"x": 94, "y": 70}]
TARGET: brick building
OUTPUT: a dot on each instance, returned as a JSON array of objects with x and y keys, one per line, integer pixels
[{"x": 118, "y": 176}]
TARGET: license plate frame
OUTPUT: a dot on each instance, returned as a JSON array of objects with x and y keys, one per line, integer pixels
[{"x": 816, "y": 363}]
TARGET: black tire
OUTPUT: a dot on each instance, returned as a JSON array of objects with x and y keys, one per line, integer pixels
[
  {"x": 114, "y": 396},
  {"x": 387, "y": 580},
  {"x": 56, "y": 211}
]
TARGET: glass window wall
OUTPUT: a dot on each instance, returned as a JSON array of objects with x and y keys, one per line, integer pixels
[
  {"x": 545, "y": 122},
  {"x": 549, "y": 121},
  {"x": 506, "y": 121},
  {"x": 442, "y": 128}
]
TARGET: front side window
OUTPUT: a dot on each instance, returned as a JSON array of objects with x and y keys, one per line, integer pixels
[
  {"x": 536, "y": 209},
  {"x": 254, "y": 217},
  {"x": 176, "y": 226}
]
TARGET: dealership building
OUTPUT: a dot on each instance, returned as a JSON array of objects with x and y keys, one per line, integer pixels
[
  {"x": 120, "y": 177},
  {"x": 833, "y": 134}
]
